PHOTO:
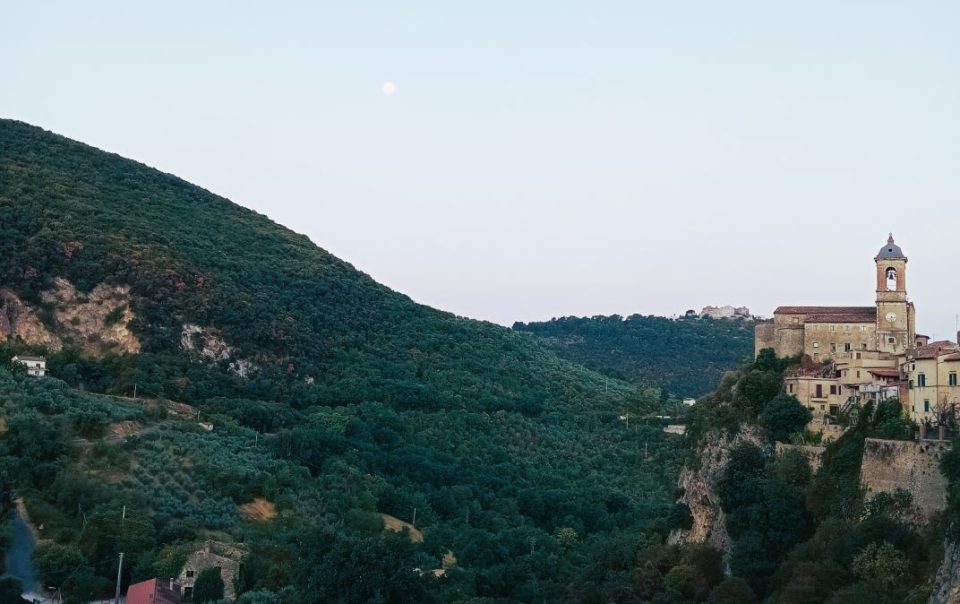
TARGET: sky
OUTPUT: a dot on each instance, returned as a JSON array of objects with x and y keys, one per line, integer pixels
[{"x": 540, "y": 159}]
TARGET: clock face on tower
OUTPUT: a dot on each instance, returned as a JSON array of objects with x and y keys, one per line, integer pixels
[{"x": 891, "y": 317}]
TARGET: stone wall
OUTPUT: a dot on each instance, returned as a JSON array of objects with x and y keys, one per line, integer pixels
[
  {"x": 764, "y": 336},
  {"x": 892, "y": 464}
]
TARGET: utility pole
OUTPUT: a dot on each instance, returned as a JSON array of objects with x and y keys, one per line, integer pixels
[
  {"x": 134, "y": 392},
  {"x": 116, "y": 598},
  {"x": 414, "y": 523}
]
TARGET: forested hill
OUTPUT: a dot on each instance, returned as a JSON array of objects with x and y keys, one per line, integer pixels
[
  {"x": 333, "y": 400},
  {"x": 301, "y": 325},
  {"x": 685, "y": 356}
]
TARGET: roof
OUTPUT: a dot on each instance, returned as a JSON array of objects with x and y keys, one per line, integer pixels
[
  {"x": 934, "y": 349},
  {"x": 831, "y": 314},
  {"x": 952, "y": 357},
  {"x": 153, "y": 591},
  {"x": 885, "y": 372},
  {"x": 891, "y": 250},
  {"x": 28, "y": 358}
]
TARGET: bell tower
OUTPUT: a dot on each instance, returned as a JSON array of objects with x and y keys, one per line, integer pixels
[{"x": 894, "y": 313}]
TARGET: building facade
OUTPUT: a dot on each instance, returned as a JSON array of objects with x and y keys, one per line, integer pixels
[
  {"x": 36, "y": 366},
  {"x": 853, "y": 354}
]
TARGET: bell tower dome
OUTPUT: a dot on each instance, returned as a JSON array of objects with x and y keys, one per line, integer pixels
[{"x": 895, "y": 315}]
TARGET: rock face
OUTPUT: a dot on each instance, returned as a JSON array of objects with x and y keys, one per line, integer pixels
[
  {"x": 97, "y": 323},
  {"x": 699, "y": 491},
  {"x": 946, "y": 585}
]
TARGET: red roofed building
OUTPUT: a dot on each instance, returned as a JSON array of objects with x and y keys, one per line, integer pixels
[{"x": 154, "y": 591}]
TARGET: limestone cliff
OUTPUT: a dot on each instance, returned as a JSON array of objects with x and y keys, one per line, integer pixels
[
  {"x": 96, "y": 322},
  {"x": 699, "y": 489},
  {"x": 946, "y": 585}
]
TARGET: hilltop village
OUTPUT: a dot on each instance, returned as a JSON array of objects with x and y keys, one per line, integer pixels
[{"x": 854, "y": 354}]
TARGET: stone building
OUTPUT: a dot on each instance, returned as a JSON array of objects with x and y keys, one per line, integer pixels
[
  {"x": 852, "y": 354},
  {"x": 214, "y": 554}
]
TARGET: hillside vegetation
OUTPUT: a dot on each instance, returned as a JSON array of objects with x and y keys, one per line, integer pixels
[
  {"x": 333, "y": 399},
  {"x": 685, "y": 357}
]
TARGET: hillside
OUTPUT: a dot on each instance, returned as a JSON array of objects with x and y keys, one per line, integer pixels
[
  {"x": 333, "y": 399},
  {"x": 685, "y": 356}
]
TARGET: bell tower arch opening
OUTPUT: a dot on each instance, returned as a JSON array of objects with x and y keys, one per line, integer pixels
[{"x": 895, "y": 313}]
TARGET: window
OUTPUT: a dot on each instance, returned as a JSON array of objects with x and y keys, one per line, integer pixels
[
  {"x": 858, "y": 374},
  {"x": 952, "y": 378},
  {"x": 819, "y": 390},
  {"x": 189, "y": 574},
  {"x": 858, "y": 355},
  {"x": 833, "y": 347},
  {"x": 816, "y": 344},
  {"x": 833, "y": 389},
  {"x": 790, "y": 387},
  {"x": 891, "y": 340},
  {"x": 891, "y": 279},
  {"x": 910, "y": 384},
  {"x": 921, "y": 380},
  {"x": 864, "y": 345},
  {"x": 847, "y": 347},
  {"x": 926, "y": 405}
]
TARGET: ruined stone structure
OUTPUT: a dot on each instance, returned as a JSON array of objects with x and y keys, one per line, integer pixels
[{"x": 853, "y": 354}]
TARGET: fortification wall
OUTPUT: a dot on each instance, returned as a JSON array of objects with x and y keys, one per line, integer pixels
[
  {"x": 789, "y": 341},
  {"x": 764, "y": 336},
  {"x": 891, "y": 464}
]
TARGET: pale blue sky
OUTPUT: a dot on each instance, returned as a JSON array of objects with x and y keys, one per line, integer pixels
[{"x": 540, "y": 158}]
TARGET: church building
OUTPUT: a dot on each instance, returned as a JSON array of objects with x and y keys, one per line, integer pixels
[{"x": 852, "y": 354}]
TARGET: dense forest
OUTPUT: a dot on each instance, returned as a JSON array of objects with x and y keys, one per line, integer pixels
[
  {"x": 686, "y": 356},
  {"x": 543, "y": 479}
]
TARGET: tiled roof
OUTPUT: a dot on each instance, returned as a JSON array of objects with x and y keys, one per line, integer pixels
[
  {"x": 934, "y": 349},
  {"x": 952, "y": 357},
  {"x": 831, "y": 314},
  {"x": 885, "y": 372}
]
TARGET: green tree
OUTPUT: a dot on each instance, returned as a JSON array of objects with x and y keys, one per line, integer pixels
[
  {"x": 10, "y": 590},
  {"x": 783, "y": 416},
  {"x": 880, "y": 561},
  {"x": 732, "y": 590},
  {"x": 208, "y": 587}
]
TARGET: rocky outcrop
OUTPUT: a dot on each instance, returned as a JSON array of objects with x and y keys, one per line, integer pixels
[
  {"x": 205, "y": 341},
  {"x": 19, "y": 321},
  {"x": 946, "y": 585},
  {"x": 96, "y": 322},
  {"x": 699, "y": 490}
]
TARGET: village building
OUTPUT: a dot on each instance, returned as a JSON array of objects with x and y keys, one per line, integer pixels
[
  {"x": 213, "y": 554},
  {"x": 36, "y": 366},
  {"x": 854, "y": 354}
]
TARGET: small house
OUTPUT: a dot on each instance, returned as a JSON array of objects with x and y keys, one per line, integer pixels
[{"x": 36, "y": 366}]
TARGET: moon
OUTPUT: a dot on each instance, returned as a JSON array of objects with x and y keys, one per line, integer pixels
[{"x": 389, "y": 88}]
